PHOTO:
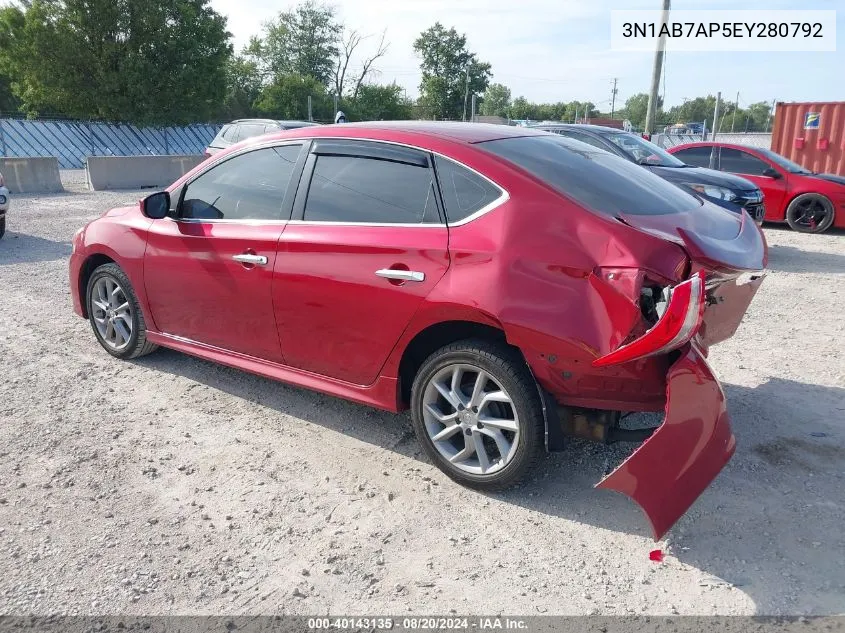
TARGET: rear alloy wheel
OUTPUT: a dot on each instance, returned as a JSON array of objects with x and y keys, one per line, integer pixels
[
  {"x": 810, "y": 213},
  {"x": 115, "y": 314},
  {"x": 477, "y": 413}
]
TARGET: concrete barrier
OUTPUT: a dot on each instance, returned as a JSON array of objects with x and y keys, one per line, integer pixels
[
  {"x": 134, "y": 172},
  {"x": 31, "y": 175}
]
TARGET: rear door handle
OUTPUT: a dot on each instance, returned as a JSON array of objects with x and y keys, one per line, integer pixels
[
  {"x": 246, "y": 258},
  {"x": 401, "y": 275}
]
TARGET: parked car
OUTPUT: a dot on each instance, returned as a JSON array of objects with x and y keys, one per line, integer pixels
[
  {"x": 731, "y": 192},
  {"x": 4, "y": 205},
  {"x": 507, "y": 285},
  {"x": 243, "y": 129},
  {"x": 807, "y": 201}
]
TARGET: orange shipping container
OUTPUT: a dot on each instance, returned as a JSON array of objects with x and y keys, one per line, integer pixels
[{"x": 812, "y": 134}]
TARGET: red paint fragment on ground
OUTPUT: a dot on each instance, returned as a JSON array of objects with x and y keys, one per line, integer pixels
[{"x": 656, "y": 555}]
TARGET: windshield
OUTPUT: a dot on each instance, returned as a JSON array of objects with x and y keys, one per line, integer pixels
[
  {"x": 784, "y": 162},
  {"x": 593, "y": 177},
  {"x": 643, "y": 152}
]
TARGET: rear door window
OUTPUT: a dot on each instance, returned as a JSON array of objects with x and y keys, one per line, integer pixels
[
  {"x": 738, "y": 162},
  {"x": 363, "y": 189},
  {"x": 698, "y": 156},
  {"x": 599, "y": 180},
  {"x": 464, "y": 191}
]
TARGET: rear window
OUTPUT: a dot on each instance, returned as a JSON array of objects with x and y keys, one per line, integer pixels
[{"x": 594, "y": 178}]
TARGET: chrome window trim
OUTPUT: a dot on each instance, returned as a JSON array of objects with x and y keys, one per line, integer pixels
[{"x": 490, "y": 206}]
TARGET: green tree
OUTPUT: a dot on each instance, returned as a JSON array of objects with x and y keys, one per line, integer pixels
[
  {"x": 8, "y": 101},
  {"x": 379, "y": 103},
  {"x": 287, "y": 98},
  {"x": 145, "y": 61},
  {"x": 243, "y": 87},
  {"x": 756, "y": 118},
  {"x": 303, "y": 41},
  {"x": 496, "y": 100},
  {"x": 694, "y": 111},
  {"x": 449, "y": 72},
  {"x": 636, "y": 108},
  {"x": 520, "y": 108}
]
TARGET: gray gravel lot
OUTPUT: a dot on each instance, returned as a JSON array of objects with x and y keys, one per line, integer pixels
[{"x": 172, "y": 485}]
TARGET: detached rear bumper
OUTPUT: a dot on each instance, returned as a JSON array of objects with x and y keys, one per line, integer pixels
[{"x": 668, "y": 472}]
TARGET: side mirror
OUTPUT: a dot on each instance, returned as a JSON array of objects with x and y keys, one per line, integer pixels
[
  {"x": 771, "y": 172},
  {"x": 156, "y": 206}
]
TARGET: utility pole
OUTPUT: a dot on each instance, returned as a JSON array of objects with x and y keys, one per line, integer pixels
[
  {"x": 771, "y": 112},
  {"x": 472, "y": 109},
  {"x": 715, "y": 124},
  {"x": 310, "y": 118},
  {"x": 736, "y": 107},
  {"x": 613, "y": 98},
  {"x": 655, "y": 73},
  {"x": 466, "y": 93}
]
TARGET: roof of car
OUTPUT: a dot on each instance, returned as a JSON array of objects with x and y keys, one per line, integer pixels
[
  {"x": 586, "y": 127},
  {"x": 712, "y": 143},
  {"x": 455, "y": 130},
  {"x": 276, "y": 121}
]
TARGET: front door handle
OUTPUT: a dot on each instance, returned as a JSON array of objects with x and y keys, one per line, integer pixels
[
  {"x": 246, "y": 258},
  {"x": 400, "y": 275}
]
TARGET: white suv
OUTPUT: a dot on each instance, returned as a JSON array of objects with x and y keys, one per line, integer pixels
[
  {"x": 4, "y": 205},
  {"x": 241, "y": 129}
]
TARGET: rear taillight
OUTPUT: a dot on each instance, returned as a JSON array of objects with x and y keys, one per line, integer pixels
[{"x": 677, "y": 325}]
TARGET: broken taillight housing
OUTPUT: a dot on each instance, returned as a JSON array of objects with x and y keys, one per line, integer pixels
[{"x": 678, "y": 323}]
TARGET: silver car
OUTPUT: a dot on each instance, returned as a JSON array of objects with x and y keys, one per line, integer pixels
[{"x": 241, "y": 129}]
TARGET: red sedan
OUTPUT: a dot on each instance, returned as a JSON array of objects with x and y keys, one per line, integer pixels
[
  {"x": 509, "y": 286},
  {"x": 807, "y": 201}
]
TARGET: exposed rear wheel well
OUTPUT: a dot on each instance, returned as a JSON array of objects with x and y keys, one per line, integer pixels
[
  {"x": 433, "y": 338},
  {"x": 91, "y": 264}
]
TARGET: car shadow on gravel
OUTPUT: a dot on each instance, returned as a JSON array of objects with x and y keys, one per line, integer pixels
[
  {"x": 20, "y": 248},
  {"x": 775, "y": 510},
  {"x": 790, "y": 259}
]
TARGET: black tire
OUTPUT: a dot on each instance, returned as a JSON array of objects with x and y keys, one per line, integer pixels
[
  {"x": 507, "y": 367},
  {"x": 2, "y": 226},
  {"x": 138, "y": 344},
  {"x": 810, "y": 213}
]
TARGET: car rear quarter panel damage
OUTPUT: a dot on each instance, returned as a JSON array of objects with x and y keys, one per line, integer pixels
[{"x": 565, "y": 294}]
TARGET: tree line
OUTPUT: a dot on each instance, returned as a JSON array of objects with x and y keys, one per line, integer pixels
[
  {"x": 754, "y": 118},
  {"x": 163, "y": 62}
]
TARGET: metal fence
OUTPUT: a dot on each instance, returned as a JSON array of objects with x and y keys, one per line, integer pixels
[
  {"x": 72, "y": 141},
  {"x": 752, "y": 139}
]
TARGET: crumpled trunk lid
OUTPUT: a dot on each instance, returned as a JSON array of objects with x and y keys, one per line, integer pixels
[
  {"x": 713, "y": 237},
  {"x": 669, "y": 471}
]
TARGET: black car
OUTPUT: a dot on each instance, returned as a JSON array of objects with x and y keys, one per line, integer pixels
[{"x": 726, "y": 190}]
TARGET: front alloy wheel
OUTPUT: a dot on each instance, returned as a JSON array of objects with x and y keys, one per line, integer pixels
[
  {"x": 476, "y": 411},
  {"x": 112, "y": 313},
  {"x": 115, "y": 313}
]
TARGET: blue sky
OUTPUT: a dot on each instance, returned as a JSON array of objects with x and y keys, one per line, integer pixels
[{"x": 559, "y": 50}]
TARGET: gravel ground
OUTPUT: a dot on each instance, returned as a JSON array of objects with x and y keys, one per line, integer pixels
[{"x": 172, "y": 485}]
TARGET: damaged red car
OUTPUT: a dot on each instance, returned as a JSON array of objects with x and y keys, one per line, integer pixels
[{"x": 510, "y": 287}]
